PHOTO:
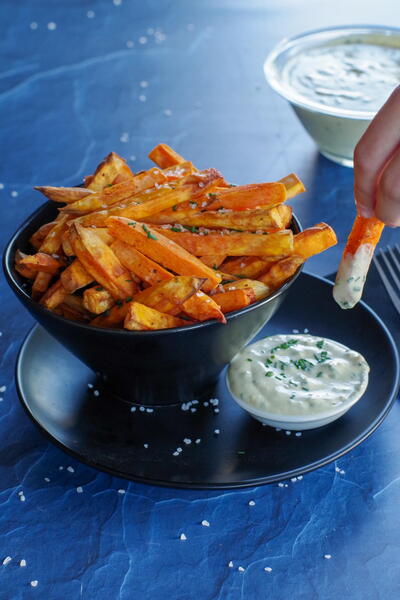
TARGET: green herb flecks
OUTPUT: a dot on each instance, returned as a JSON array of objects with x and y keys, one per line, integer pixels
[
  {"x": 320, "y": 344},
  {"x": 269, "y": 374},
  {"x": 148, "y": 232},
  {"x": 303, "y": 364},
  {"x": 322, "y": 356}
]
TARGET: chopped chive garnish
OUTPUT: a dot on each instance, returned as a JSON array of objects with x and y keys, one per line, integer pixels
[
  {"x": 302, "y": 363},
  {"x": 250, "y": 359},
  {"x": 99, "y": 289},
  {"x": 175, "y": 207},
  {"x": 128, "y": 299},
  {"x": 177, "y": 229},
  {"x": 148, "y": 232},
  {"x": 132, "y": 223},
  {"x": 118, "y": 302},
  {"x": 322, "y": 357},
  {"x": 320, "y": 344},
  {"x": 269, "y": 374},
  {"x": 240, "y": 452},
  {"x": 319, "y": 374}
]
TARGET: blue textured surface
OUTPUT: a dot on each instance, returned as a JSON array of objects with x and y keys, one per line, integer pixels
[{"x": 67, "y": 97}]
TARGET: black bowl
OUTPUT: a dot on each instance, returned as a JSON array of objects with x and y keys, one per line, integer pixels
[{"x": 146, "y": 367}]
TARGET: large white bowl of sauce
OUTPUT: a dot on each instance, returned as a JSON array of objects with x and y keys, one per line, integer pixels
[
  {"x": 297, "y": 381},
  {"x": 336, "y": 80}
]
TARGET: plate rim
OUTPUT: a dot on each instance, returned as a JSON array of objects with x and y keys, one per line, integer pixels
[{"x": 282, "y": 476}]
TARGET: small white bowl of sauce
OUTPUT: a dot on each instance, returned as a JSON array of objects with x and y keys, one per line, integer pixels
[
  {"x": 336, "y": 79},
  {"x": 297, "y": 382}
]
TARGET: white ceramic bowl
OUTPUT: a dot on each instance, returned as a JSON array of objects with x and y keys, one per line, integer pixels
[
  {"x": 335, "y": 130},
  {"x": 298, "y": 422}
]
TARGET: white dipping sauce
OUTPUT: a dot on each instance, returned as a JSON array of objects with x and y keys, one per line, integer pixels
[
  {"x": 298, "y": 375},
  {"x": 351, "y": 75},
  {"x": 351, "y": 276}
]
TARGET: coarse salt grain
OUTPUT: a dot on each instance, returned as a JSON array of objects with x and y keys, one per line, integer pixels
[
  {"x": 121, "y": 491},
  {"x": 298, "y": 434},
  {"x": 14, "y": 194},
  {"x": 337, "y": 469},
  {"x": 90, "y": 14},
  {"x": 132, "y": 158},
  {"x": 187, "y": 441},
  {"x": 149, "y": 410},
  {"x": 145, "y": 445},
  {"x": 51, "y": 26},
  {"x": 327, "y": 556},
  {"x": 230, "y": 564},
  {"x": 300, "y": 477},
  {"x": 117, "y": 2},
  {"x": 216, "y": 431},
  {"x": 22, "y": 563},
  {"x": 281, "y": 484},
  {"x": 33, "y": 25},
  {"x": 252, "y": 503},
  {"x": 175, "y": 453},
  {"x": 241, "y": 569},
  {"x": 22, "y": 498},
  {"x": 79, "y": 489},
  {"x": 7, "y": 560},
  {"x": 198, "y": 441},
  {"x": 60, "y": 468},
  {"x": 71, "y": 469},
  {"x": 216, "y": 410},
  {"x": 133, "y": 408},
  {"x": 47, "y": 479},
  {"x": 144, "y": 84},
  {"x": 183, "y": 537},
  {"x": 342, "y": 472},
  {"x": 34, "y": 583},
  {"x": 96, "y": 393},
  {"x": 205, "y": 523},
  {"x": 142, "y": 409},
  {"x": 306, "y": 330},
  {"x": 124, "y": 137},
  {"x": 143, "y": 39},
  {"x": 267, "y": 569},
  {"x": 142, "y": 98},
  {"x": 288, "y": 432},
  {"x": 167, "y": 112},
  {"x": 295, "y": 331}
]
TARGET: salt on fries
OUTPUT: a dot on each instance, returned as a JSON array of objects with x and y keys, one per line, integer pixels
[{"x": 166, "y": 247}]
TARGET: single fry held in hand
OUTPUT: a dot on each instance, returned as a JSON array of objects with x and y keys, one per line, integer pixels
[
  {"x": 166, "y": 247},
  {"x": 356, "y": 259}
]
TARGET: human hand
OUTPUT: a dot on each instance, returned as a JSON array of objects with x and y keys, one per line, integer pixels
[{"x": 377, "y": 165}]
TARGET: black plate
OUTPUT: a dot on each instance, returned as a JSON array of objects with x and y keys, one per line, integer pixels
[{"x": 103, "y": 432}]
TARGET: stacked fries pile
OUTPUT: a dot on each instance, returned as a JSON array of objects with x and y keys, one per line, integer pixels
[{"x": 165, "y": 247}]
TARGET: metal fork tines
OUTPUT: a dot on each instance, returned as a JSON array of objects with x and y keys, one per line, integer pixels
[{"x": 387, "y": 262}]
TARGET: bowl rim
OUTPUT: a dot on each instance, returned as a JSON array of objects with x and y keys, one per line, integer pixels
[
  {"x": 8, "y": 262},
  {"x": 272, "y": 73}
]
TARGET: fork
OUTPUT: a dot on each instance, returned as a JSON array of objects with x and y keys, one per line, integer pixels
[{"x": 387, "y": 262}]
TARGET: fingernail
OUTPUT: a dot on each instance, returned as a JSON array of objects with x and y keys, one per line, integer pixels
[{"x": 365, "y": 212}]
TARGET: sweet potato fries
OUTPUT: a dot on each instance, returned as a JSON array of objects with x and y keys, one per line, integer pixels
[{"x": 166, "y": 247}]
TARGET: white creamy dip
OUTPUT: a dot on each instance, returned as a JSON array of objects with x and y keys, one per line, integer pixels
[
  {"x": 349, "y": 74},
  {"x": 298, "y": 375},
  {"x": 351, "y": 276}
]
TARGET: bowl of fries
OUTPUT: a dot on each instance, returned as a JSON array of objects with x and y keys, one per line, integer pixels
[{"x": 157, "y": 279}]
